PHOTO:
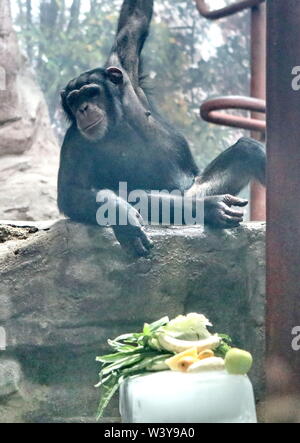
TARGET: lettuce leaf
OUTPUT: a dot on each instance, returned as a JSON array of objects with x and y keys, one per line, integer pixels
[{"x": 187, "y": 327}]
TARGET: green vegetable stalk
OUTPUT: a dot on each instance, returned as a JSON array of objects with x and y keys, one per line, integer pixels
[{"x": 139, "y": 353}]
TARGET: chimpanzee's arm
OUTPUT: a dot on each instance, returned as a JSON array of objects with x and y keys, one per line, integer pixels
[
  {"x": 81, "y": 203},
  {"x": 217, "y": 208},
  {"x": 135, "y": 9},
  {"x": 137, "y": 112},
  {"x": 132, "y": 33},
  {"x": 75, "y": 197}
]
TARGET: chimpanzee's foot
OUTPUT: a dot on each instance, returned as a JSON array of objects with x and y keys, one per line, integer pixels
[
  {"x": 218, "y": 212},
  {"x": 232, "y": 170}
]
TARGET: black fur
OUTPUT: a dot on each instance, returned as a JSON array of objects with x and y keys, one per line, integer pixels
[{"x": 142, "y": 149}]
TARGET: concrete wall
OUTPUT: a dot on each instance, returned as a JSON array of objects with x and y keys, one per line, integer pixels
[{"x": 66, "y": 288}]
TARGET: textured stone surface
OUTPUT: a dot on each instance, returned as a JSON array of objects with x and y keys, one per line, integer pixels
[
  {"x": 64, "y": 290},
  {"x": 28, "y": 149},
  {"x": 10, "y": 377}
]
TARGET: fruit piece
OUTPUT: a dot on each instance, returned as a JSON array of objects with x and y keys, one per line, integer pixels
[
  {"x": 174, "y": 362},
  {"x": 185, "y": 363},
  {"x": 238, "y": 362},
  {"x": 208, "y": 364},
  {"x": 208, "y": 353},
  {"x": 174, "y": 345}
]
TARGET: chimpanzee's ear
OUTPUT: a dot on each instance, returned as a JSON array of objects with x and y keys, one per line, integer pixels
[{"x": 115, "y": 75}]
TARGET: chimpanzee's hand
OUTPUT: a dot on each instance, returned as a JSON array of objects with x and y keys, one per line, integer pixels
[
  {"x": 218, "y": 212},
  {"x": 132, "y": 236}
]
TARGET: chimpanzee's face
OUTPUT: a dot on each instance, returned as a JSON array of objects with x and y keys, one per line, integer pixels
[{"x": 90, "y": 102}]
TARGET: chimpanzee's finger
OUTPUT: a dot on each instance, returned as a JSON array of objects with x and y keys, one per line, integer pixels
[
  {"x": 147, "y": 243},
  {"x": 231, "y": 200},
  {"x": 139, "y": 248},
  {"x": 232, "y": 222},
  {"x": 134, "y": 247},
  {"x": 140, "y": 218},
  {"x": 230, "y": 225},
  {"x": 233, "y": 213}
]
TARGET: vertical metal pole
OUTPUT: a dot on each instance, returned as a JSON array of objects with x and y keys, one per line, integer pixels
[
  {"x": 258, "y": 90},
  {"x": 283, "y": 209}
]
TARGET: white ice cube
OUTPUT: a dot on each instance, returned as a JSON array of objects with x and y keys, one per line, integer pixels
[{"x": 175, "y": 397}]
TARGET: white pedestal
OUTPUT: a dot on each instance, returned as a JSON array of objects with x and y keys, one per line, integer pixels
[{"x": 174, "y": 397}]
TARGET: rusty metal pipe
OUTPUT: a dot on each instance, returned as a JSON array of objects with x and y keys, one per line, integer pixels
[
  {"x": 256, "y": 124},
  {"x": 210, "y": 112},
  {"x": 258, "y": 90},
  {"x": 226, "y": 11}
]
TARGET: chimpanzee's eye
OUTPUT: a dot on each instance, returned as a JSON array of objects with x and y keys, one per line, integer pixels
[{"x": 92, "y": 91}]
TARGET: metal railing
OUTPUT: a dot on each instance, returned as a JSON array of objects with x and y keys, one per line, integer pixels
[
  {"x": 211, "y": 110},
  {"x": 226, "y": 11}
]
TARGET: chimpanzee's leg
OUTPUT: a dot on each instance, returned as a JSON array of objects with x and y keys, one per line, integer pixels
[
  {"x": 231, "y": 171},
  {"x": 133, "y": 28}
]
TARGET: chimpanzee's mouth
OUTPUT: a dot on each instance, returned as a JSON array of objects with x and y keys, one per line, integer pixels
[{"x": 94, "y": 124}]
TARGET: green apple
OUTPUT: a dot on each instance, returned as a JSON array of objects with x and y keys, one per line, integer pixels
[{"x": 238, "y": 362}]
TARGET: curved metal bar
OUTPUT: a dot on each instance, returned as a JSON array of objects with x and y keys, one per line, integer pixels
[
  {"x": 227, "y": 10},
  {"x": 210, "y": 112}
]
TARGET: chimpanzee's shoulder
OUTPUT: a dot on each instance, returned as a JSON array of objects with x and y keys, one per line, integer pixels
[{"x": 73, "y": 140}]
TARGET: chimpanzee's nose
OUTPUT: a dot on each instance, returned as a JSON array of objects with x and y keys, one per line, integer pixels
[{"x": 84, "y": 107}]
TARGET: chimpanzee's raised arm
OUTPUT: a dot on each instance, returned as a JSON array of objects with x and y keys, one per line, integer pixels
[
  {"x": 136, "y": 112},
  {"x": 138, "y": 8},
  {"x": 133, "y": 29}
]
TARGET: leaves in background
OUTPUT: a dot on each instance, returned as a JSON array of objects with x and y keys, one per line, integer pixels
[{"x": 189, "y": 58}]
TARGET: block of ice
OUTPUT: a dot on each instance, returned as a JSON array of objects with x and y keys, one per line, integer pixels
[{"x": 175, "y": 397}]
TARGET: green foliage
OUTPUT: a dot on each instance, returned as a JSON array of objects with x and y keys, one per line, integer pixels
[
  {"x": 133, "y": 355},
  {"x": 224, "y": 346},
  {"x": 138, "y": 353},
  {"x": 189, "y": 58}
]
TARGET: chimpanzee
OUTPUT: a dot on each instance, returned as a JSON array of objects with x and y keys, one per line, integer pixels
[{"x": 117, "y": 135}]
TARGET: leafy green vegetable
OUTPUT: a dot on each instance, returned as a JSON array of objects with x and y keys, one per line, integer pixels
[
  {"x": 139, "y": 353},
  {"x": 133, "y": 355},
  {"x": 224, "y": 346},
  {"x": 109, "y": 387},
  {"x": 190, "y": 327}
]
